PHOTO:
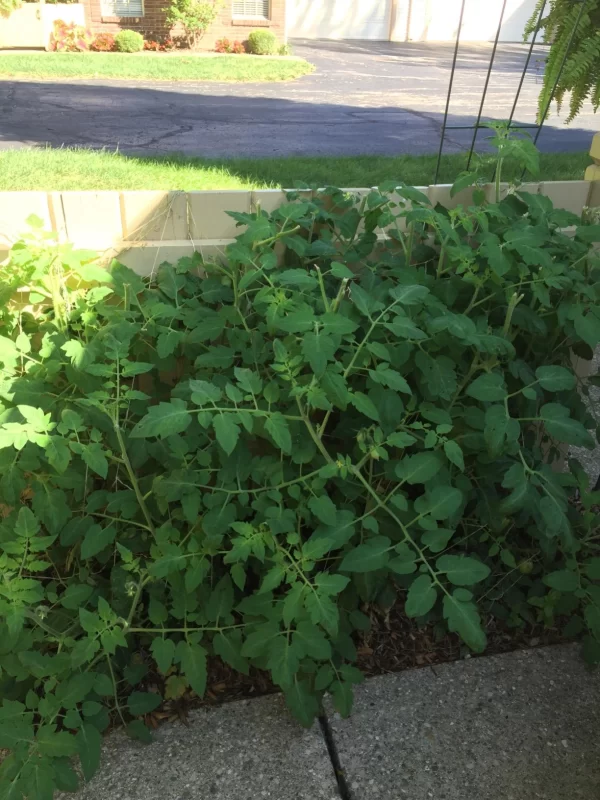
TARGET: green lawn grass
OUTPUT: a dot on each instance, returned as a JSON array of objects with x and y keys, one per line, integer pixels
[
  {"x": 152, "y": 66},
  {"x": 77, "y": 169}
]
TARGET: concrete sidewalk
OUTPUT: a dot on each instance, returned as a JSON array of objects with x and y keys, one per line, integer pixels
[{"x": 522, "y": 726}]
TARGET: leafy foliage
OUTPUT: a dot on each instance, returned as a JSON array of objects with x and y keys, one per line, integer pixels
[
  {"x": 362, "y": 400},
  {"x": 225, "y": 45},
  {"x": 512, "y": 147},
  {"x": 574, "y": 57},
  {"x": 129, "y": 41},
  {"x": 103, "y": 43},
  {"x": 194, "y": 16},
  {"x": 262, "y": 43},
  {"x": 68, "y": 37}
]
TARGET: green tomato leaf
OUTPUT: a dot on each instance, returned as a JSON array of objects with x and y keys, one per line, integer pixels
[
  {"x": 437, "y": 539},
  {"x": 562, "y": 580},
  {"x": 365, "y": 405},
  {"x": 137, "y": 730},
  {"x": 277, "y": 426},
  {"x": 141, "y": 703},
  {"x": 411, "y": 295},
  {"x": 54, "y": 743},
  {"x": 555, "y": 379},
  {"x": 330, "y": 583},
  {"x": 193, "y": 664},
  {"x": 489, "y": 387},
  {"x": 302, "y": 702},
  {"x": 462, "y": 570},
  {"x": 89, "y": 743},
  {"x": 323, "y": 509},
  {"x": 454, "y": 454},
  {"x": 163, "y": 651},
  {"x": 167, "y": 343},
  {"x": 463, "y": 618},
  {"x": 228, "y": 645},
  {"x": 440, "y": 503},
  {"x": 367, "y": 557},
  {"x": 94, "y": 456},
  {"x": 419, "y": 468},
  {"x": 587, "y": 327},
  {"x": 226, "y": 431},
  {"x": 311, "y": 640},
  {"x": 97, "y": 539},
  {"x": 421, "y": 597},
  {"x": 284, "y": 660},
  {"x": 163, "y": 420},
  {"x": 58, "y": 453},
  {"x": 318, "y": 349},
  {"x": 560, "y": 425}
]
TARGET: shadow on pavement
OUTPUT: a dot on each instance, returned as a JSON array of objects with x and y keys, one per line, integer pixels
[{"x": 149, "y": 120}]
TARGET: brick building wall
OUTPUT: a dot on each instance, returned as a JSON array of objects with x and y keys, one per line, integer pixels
[{"x": 153, "y": 25}]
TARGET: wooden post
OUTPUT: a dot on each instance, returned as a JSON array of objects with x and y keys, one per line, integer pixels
[{"x": 592, "y": 173}]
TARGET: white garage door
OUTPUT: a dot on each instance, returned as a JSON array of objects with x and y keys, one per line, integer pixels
[
  {"x": 437, "y": 20},
  {"x": 339, "y": 19}
]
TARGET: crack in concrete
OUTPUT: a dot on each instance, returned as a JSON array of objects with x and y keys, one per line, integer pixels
[{"x": 334, "y": 757}]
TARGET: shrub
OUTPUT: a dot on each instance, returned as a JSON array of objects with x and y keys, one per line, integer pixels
[
  {"x": 262, "y": 43},
  {"x": 103, "y": 43},
  {"x": 129, "y": 41},
  {"x": 70, "y": 38},
  {"x": 227, "y": 46},
  {"x": 285, "y": 50},
  {"x": 193, "y": 16},
  {"x": 223, "y": 45},
  {"x": 360, "y": 402},
  {"x": 159, "y": 47}
]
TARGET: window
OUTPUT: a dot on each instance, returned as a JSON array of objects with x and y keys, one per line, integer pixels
[
  {"x": 251, "y": 9},
  {"x": 122, "y": 8}
]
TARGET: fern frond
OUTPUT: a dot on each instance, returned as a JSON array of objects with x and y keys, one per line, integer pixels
[{"x": 573, "y": 63}]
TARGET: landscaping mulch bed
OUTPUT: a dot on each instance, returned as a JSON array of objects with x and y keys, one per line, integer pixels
[{"x": 393, "y": 644}]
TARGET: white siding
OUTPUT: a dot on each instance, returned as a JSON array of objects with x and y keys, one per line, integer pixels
[{"x": 437, "y": 20}]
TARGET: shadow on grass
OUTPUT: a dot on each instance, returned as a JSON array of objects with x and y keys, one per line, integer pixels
[{"x": 82, "y": 169}]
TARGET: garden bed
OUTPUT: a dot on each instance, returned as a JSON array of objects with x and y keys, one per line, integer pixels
[{"x": 176, "y": 66}]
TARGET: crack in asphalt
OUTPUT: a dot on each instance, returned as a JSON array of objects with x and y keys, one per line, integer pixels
[{"x": 169, "y": 135}]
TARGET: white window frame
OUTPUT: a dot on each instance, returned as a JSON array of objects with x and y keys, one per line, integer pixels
[
  {"x": 108, "y": 8},
  {"x": 245, "y": 15}
]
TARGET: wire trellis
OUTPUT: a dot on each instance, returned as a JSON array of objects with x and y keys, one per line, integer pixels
[{"x": 478, "y": 124}]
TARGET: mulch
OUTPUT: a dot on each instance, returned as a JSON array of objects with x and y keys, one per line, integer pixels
[{"x": 394, "y": 643}]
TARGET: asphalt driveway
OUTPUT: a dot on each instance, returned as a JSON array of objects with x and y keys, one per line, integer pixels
[{"x": 364, "y": 98}]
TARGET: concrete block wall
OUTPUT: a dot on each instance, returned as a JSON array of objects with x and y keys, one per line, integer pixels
[{"x": 145, "y": 228}]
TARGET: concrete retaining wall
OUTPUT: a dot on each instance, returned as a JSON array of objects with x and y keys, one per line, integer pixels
[{"x": 147, "y": 227}]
